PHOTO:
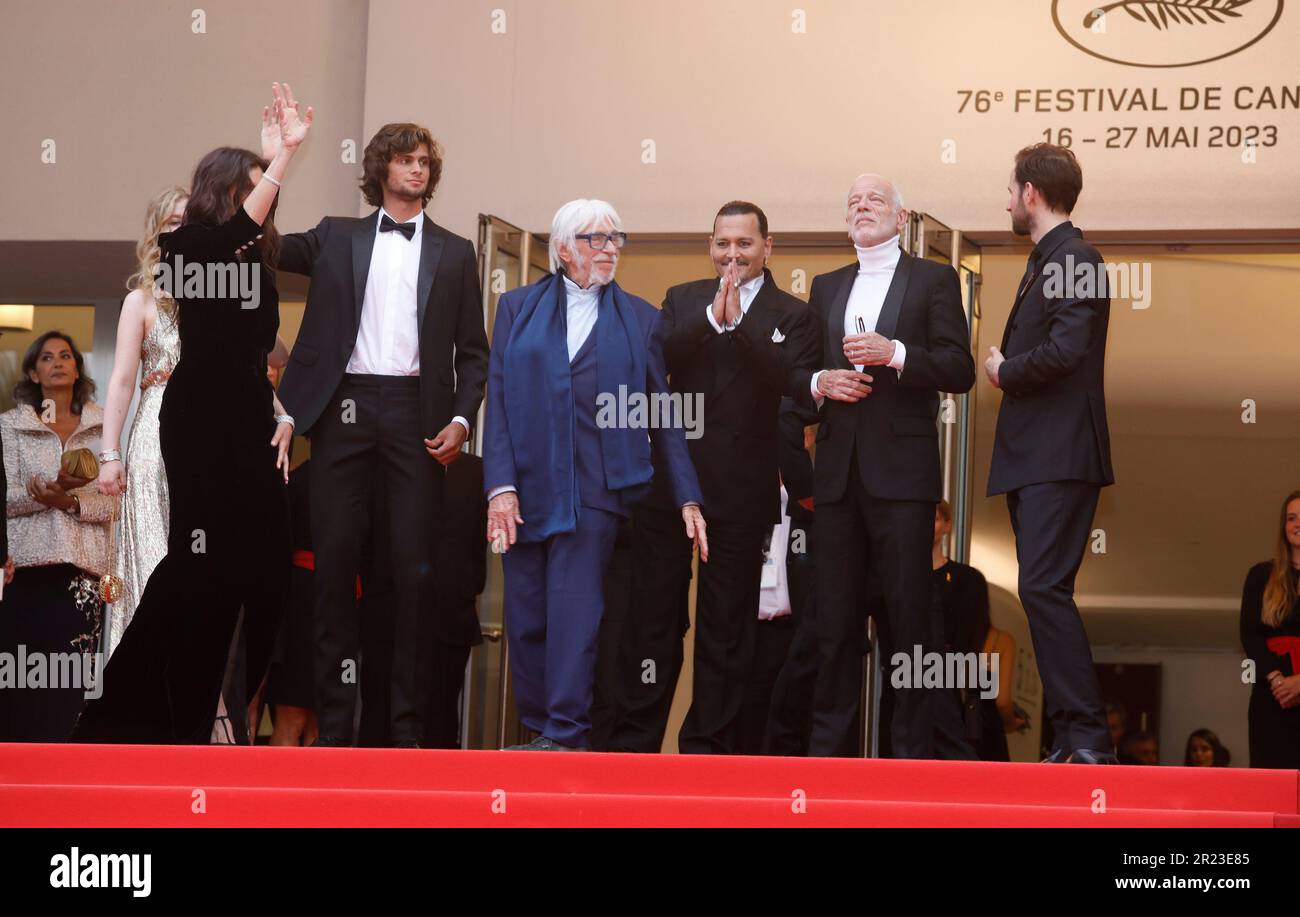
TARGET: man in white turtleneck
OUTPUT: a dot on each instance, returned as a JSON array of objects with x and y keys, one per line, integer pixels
[{"x": 894, "y": 337}]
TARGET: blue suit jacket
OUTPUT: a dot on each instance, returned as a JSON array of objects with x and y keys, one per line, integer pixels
[{"x": 668, "y": 445}]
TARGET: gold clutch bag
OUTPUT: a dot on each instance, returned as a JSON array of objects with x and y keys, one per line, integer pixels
[
  {"x": 80, "y": 463},
  {"x": 110, "y": 584}
]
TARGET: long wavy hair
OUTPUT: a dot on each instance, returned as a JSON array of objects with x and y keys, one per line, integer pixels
[
  {"x": 1280, "y": 591},
  {"x": 29, "y": 392},
  {"x": 147, "y": 253},
  {"x": 220, "y": 185},
  {"x": 389, "y": 141}
]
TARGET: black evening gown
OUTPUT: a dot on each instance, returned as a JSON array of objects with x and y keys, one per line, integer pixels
[
  {"x": 229, "y": 539},
  {"x": 1274, "y": 732}
]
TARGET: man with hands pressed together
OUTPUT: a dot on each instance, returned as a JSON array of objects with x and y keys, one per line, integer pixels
[
  {"x": 731, "y": 343},
  {"x": 877, "y": 475}
]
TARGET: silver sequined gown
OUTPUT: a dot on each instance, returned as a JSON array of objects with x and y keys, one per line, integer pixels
[{"x": 143, "y": 538}]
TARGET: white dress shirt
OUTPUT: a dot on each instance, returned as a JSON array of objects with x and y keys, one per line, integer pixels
[
  {"x": 774, "y": 596},
  {"x": 876, "y": 266},
  {"x": 748, "y": 290},
  {"x": 388, "y": 339},
  {"x": 579, "y": 313}
]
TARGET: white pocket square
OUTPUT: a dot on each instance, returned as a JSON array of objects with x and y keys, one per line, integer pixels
[{"x": 777, "y": 336}]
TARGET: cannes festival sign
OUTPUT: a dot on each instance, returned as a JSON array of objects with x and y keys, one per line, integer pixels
[{"x": 1164, "y": 33}]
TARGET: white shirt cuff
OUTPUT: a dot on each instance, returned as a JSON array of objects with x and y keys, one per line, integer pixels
[
  {"x": 503, "y": 489},
  {"x": 900, "y": 357},
  {"x": 818, "y": 397},
  {"x": 465, "y": 423},
  {"x": 713, "y": 321}
]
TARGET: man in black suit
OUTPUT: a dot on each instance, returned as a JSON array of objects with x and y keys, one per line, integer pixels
[
  {"x": 387, "y": 370},
  {"x": 878, "y": 476},
  {"x": 1051, "y": 452},
  {"x": 731, "y": 344}
]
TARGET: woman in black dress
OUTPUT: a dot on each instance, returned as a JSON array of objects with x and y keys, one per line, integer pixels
[
  {"x": 1270, "y": 634},
  {"x": 225, "y": 452}
]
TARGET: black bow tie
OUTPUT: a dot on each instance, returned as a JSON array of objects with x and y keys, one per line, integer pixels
[{"x": 388, "y": 224}]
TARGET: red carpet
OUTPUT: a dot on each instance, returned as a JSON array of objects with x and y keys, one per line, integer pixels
[{"x": 120, "y": 785}]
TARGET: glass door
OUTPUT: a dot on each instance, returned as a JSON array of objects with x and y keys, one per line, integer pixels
[
  {"x": 508, "y": 257},
  {"x": 926, "y": 237}
]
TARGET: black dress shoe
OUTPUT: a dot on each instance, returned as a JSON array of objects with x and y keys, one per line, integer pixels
[
  {"x": 1088, "y": 756},
  {"x": 542, "y": 743},
  {"x": 329, "y": 742},
  {"x": 1058, "y": 756},
  {"x": 407, "y": 743}
]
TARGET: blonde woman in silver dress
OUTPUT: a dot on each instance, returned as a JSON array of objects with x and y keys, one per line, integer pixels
[
  {"x": 148, "y": 340},
  {"x": 148, "y": 343}
]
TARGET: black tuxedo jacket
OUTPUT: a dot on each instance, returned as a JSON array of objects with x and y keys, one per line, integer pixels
[
  {"x": 1052, "y": 421},
  {"x": 742, "y": 375},
  {"x": 453, "y": 344},
  {"x": 894, "y": 429}
]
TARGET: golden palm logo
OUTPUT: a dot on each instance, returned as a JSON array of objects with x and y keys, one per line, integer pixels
[
  {"x": 1164, "y": 13},
  {"x": 1164, "y": 33}
]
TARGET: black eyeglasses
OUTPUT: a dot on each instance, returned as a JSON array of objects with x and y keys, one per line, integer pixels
[{"x": 597, "y": 240}]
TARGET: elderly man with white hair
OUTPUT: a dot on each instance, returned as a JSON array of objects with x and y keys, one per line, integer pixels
[
  {"x": 559, "y": 474},
  {"x": 894, "y": 336}
]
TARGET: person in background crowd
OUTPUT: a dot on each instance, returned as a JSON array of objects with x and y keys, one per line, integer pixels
[
  {"x": 1116, "y": 721},
  {"x": 59, "y": 535},
  {"x": 461, "y": 578},
  {"x": 1270, "y": 634},
  {"x": 963, "y": 595},
  {"x": 1205, "y": 750},
  {"x": 784, "y": 605},
  {"x": 1140, "y": 748},
  {"x": 289, "y": 685}
]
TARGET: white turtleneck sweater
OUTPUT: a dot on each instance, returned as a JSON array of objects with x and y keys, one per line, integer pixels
[{"x": 876, "y": 266}]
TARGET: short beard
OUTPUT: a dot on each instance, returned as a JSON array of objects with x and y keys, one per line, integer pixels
[
  {"x": 406, "y": 194},
  {"x": 1020, "y": 224}
]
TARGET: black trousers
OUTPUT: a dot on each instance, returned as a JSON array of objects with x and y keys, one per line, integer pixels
[
  {"x": 1052, "y": 523},
  {"x": 658, "y": 616},
  {"x": 789, "y": 716},
  {"x": 372, "y": 427},
  {"x": 726, "y": 624},
  {"x": 895, "y": 538},
  {"x": 772, "y": 641}
]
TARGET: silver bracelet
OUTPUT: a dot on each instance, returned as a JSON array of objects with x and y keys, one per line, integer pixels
[
  {"x": 271, "y": 180},
  {"x": 111, "y": 455},
  {"x": 285, "y": 418}
]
